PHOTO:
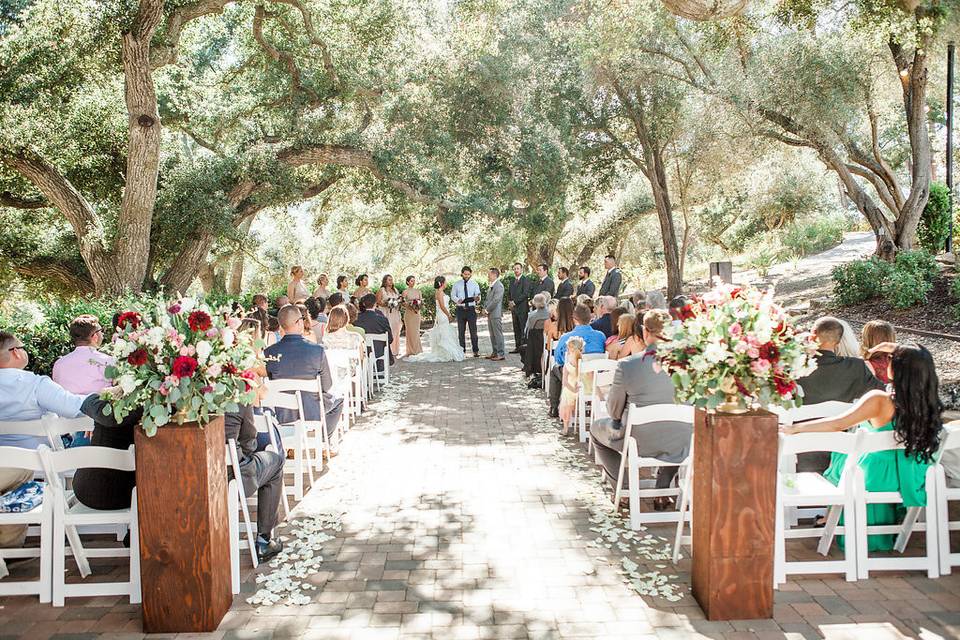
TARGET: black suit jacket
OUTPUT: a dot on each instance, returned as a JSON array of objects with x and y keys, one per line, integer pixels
[
  {"x": 587, "y": 288},
  {"x": 565, "y": 288},
  {"x": 544, "y": 285},
  {"x": 375, "y": 322},
  {"x": 297, "y": 358},
  {"x": 837, "y": 378},
  {"x": 520, "y": 291}
]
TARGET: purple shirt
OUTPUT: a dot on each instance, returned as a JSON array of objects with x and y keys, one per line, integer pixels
[{"x": 81, "y": 371}]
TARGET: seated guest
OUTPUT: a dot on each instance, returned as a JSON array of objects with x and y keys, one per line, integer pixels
[
  {"x": 336, "y": 299},
  {"x": 281, "y": 302},
  {"x": 638, "y": 380},
  {"x": 875, "y": 333},
  {"x": 260, "y": 311},
  {"x": 603, "y": 323},
  {"x": 849, "y": 346},
  {"x": 26, "y": 396},
  {"x": 308, "y": 333},
  {"x": 539, "y": 314},
  {"x": 654, "y": 300},
  {"x": 373, "y": 322},
  {"x": 82, "y": 370},
  {"x": 549, "y": 325},
  {"x": 296, "y": 358},
  {"x": 835, "y": 378},
  {"x": 318, "y": 318},
  {"x": 677, "y": 309},
  {"x": 618, "y": 342},
  {"x": 913, "y": 411},
  {"x": 338, "y": 336},
  {"x": 587, "y": 301},
  {"x": 354, "y": 313},
  {"x": 261, "y": 472},
  {"x": 593, "y": 342},
  {"x": 634, "y": 343},
  {"x": 615, "y": 316},
  {"x": 563, "y": 323},
  {"x": 273, "y": 331}
]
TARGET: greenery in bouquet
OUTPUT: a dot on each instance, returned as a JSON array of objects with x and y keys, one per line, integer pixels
[
  {"x": 181, "y": 361},
  {"x": 737, "y": 346}
]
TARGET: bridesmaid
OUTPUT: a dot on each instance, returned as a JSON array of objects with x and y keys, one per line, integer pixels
[
  {"x": 411, "y": 317},
  {"x": 363, "y": 287},
  {"x": 387, "y": 293},
  {"x": 296, "y": 290},
  {"x": 322, "y": 291}
]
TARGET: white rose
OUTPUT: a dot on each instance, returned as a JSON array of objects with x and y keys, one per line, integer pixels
[
  {"x": 187, "y": 305},
  {"x": 128, "y": 383},
  {"x": 715, "y": 352},
  {"x": 227, "y": 336},
  {"x": 204, "y": 349}
]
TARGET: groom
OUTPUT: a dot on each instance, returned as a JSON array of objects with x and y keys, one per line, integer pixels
[
  {"x": 494, "y": 308},
  {"x": 466, "y": 295}
]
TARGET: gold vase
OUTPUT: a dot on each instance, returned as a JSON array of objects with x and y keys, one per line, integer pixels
[{"x": 731, "y": 405}]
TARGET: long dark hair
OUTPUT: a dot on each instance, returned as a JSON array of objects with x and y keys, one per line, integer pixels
[
  {"x": 565, "y": 315},
  {"x": 438, "y": 282},
  {"x": 916, "y": 401},
  {"x": 383, "y": 282},
  {"x": 360, "y": 279}
]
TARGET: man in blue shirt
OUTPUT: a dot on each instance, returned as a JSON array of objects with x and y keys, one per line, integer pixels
[
  {"x": 27, "y": 396},
  {"x": 466, "y": 295},
  {"x": 593, "y": 342}
]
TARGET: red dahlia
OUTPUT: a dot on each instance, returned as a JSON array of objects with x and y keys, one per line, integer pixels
[
  {"x": 770, "y": 352},
  {"x": 199, "y": 321},
  {"x": 784, "y": 386},
  {"x": 230, "y": 369},
  {"x": 138, "y": 358},
  {"x": 183, "y": 366},
  {"x": 131, "y": 318}
]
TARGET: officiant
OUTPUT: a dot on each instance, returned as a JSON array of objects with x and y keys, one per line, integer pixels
[{"x": 466, "y": 295}]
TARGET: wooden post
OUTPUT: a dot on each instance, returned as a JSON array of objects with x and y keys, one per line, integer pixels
[
  {"x": 184, "y": 531},
  {"x": 734, "y": 503},
  {"x": 722, "y": 269}
]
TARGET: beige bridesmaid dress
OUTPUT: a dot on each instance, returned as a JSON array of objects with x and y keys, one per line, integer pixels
[
  {"x": 393, "y": 316},
  {"x": 411, "y": 322}
]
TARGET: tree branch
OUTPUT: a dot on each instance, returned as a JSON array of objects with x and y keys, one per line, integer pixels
[
  {"x": 7, "y": 199},
  {"x": 166, "y": 53}
]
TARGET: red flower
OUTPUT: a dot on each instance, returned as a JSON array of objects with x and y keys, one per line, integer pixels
[
  {"x": 128, "y": 317},
  {"x": 199, "y": 321},
  {"x": 735, "y": 292},
  {"x": 138, "y": 358},
  {"x": 784, "y": 386},
  {"x": 781, "y": 328},
  {"x": 248, "y": 375},
  {"x": 230, "y": 369},
  {"x": 770, "y": 352},
  {"x": 183, "y": 366}
]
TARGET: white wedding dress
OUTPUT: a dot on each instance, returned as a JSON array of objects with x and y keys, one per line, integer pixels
[{"x": 444, "y": 345}]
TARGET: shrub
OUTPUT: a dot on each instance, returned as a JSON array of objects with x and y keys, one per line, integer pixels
[
  {"x": 935, "y": 220},
  {"x": 904, "y": 289},
  {"x": 955, "y": 294},
  {"x": 919, "y": 263},
  {"x": 860, "y": 280},
  {"x": 762, "y": 260},
  {"x": 820, "y": 234}
]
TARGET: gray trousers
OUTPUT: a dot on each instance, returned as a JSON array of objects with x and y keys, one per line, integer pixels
[
  {"x": 495, "y": 325},
  {"x": 263, "y": 473}
]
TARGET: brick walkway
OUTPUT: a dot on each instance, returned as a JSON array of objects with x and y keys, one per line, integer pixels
[{"x": 456, "y": 511}]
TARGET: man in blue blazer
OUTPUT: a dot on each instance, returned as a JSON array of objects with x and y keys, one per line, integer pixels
[{"x": 297, "y": 358}]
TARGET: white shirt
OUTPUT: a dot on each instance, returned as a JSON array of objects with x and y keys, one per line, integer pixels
[
  {"x": 472, "y": 289},
  {"x": 26, "y": 396}
]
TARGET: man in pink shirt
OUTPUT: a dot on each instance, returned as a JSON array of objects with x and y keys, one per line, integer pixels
[{"x": 82, "y": 370}]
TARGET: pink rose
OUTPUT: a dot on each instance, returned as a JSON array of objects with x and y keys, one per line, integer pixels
[
  {"x": 741, "y": 347},
  {"x": 212, "y": 333},
  {"x": 163, "y": 389},
  {"x": 233, "y": 323},
  {"x": 753, "y": 353},
  {"x": 735, "y": 329},
  {"x": 760, "y": 366},
  {"x": 213, "y": 371}
]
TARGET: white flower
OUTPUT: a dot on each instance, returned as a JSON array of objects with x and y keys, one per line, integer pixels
[
  {"x": 187, "y": 305},
  {"x": 204, "y": 349},
  {"x": 716, "y": 352},
  {"x": 128, "y": 382},
  {"x": 227, "y": 335}
]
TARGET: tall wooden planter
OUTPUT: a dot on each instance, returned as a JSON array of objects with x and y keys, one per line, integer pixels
[
  {"x": 734, "y": 503},
  {"x": 184, "y": 537}
]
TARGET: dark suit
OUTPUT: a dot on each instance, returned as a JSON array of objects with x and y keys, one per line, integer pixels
[
  {"x": 261, "y": 472},
  {"x": 374, "y": 322},
  {"x": 612, "y": 282},
  {"x": 299, "y": 359},
  {"x": 587, "y": 288},
  {"x": 603, "y": 324},
  {"x": 106, "y": 489},
  {"x": 565, "y": 288},
  {"x": 545, "y": 285},
  {"x": 635, "y": 381},
  {"x": 519, "y": 295}
]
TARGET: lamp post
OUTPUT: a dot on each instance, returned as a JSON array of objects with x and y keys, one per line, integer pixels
[{"x": 951, "y": 53}]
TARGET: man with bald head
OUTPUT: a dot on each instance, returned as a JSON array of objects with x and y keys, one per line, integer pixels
[{"x": 294, "y": 357}]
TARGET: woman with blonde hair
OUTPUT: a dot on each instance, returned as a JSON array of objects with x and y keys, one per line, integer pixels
[
  {"x": 412, "y": 303},
  {"x": 874, "y": 333},
  {"x": 618, "y": 341},
  {"x": 322, "y": 283},
  {"x": 570, "y": 381},
  {"x": 296, "y": 290},
  {"x": 338, "y": 334},
  {"x": 388, "y": 300}
]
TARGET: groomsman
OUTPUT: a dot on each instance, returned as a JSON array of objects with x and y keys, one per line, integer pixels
[
  {"x": 519, "y": 303},
  {"x": 613, "y": 280},
  {"x": 546, "y": 282},
  {"x": 565, "y": 287},
  {"x": 466, "y": 295},
  {"x": 586, "y": 286},
  {"x": 494, "y": 308}
]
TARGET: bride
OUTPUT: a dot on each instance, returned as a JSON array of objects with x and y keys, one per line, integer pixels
[{"x": 444, "y": 346}]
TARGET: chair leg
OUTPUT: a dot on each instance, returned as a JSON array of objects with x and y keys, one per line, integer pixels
[
  {"x": 245, "y": 512},
  {"x": 46, "y": 556},
  {"x": 618, "y": 489},
  {"x": 829, "y": 530},
  {"x": 906, "y": 528},
  {"x": 79, "y": 555},
  {"x": 860, "y": 509},
  {"x": 933, "y": 556},
  {"x": 686, "y": 505},
  {"x": 136, "y": 591},
  {"x": 779, "y": 543},
  {"x": 59, "y": 560},
  {"x": 633, "y": 477},
  {"x": 234, "y": 527},
  {"x": 943, "y": 522}
]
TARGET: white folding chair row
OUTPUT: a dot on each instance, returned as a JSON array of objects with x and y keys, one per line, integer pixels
[
  {"x": 70, "y": 514},
  {"x": 381, "y": 376},
  {"x": 266, "y": 423},
  {"x": 350, "y": 362},
  {"x": 632, "y": 463},
  {"x": 590, "y": 365},
  {"x": 341, "y": 371},
  {"x": 294, "y": 434},
  {"x": 947, "y": 492},
  {"x": 42, "y": 516}
]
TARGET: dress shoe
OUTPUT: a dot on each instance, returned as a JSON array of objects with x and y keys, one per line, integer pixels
[
  {"x": 497, "y": 358},
  {"x": 491, "y": 356},
  {"x": 266, "y": 549},
  {"x": 476, "y": 354},
  {"x": 515, "y": 351}
]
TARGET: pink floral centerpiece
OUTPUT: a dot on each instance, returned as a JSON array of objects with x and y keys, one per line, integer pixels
[
  {"x": 183, "y": 362},
  {"x": 737, "y": 350}
]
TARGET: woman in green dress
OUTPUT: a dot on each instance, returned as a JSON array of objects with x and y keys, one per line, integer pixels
[{"x": 912, "y": 410}]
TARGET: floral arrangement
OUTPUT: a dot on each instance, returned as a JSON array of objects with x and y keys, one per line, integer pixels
[
  {"x": 415, "y": 304},
  {"x": 182, "y": 362},
  {"x": 737, "y": 350},
  {"x": 393, "y": 303}
]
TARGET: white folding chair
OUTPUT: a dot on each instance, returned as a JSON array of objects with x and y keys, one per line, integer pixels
[
  {"x": 41, "y": 515},
  {"x": 267, "y": 423},
  {"x": 380, "y": 377},
  {"x": 57, "y": 427},
  {"x": 947, "y": 491},
  {"x": 243, "y": 504},
  {"x": 35, "y": 428},
  {"x": 631, "y": 463},
  {"x": 812, "y": 489},
  {"x": 873, "y": 442},
  {"x": 546, "y": 363},
  {"x": 341, "y": 373},
  {"x": 76, "y": 514},
  {"x": 590, "y": 364},
  {"x": 294, "y": 433},
  {"x": 314, "y": 387}
]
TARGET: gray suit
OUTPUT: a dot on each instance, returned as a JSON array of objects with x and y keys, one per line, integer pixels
[
  {"x": 612, "y": 282},
  {"x": 636, "y": 382},
  {"x": 494, "y": 308}
]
